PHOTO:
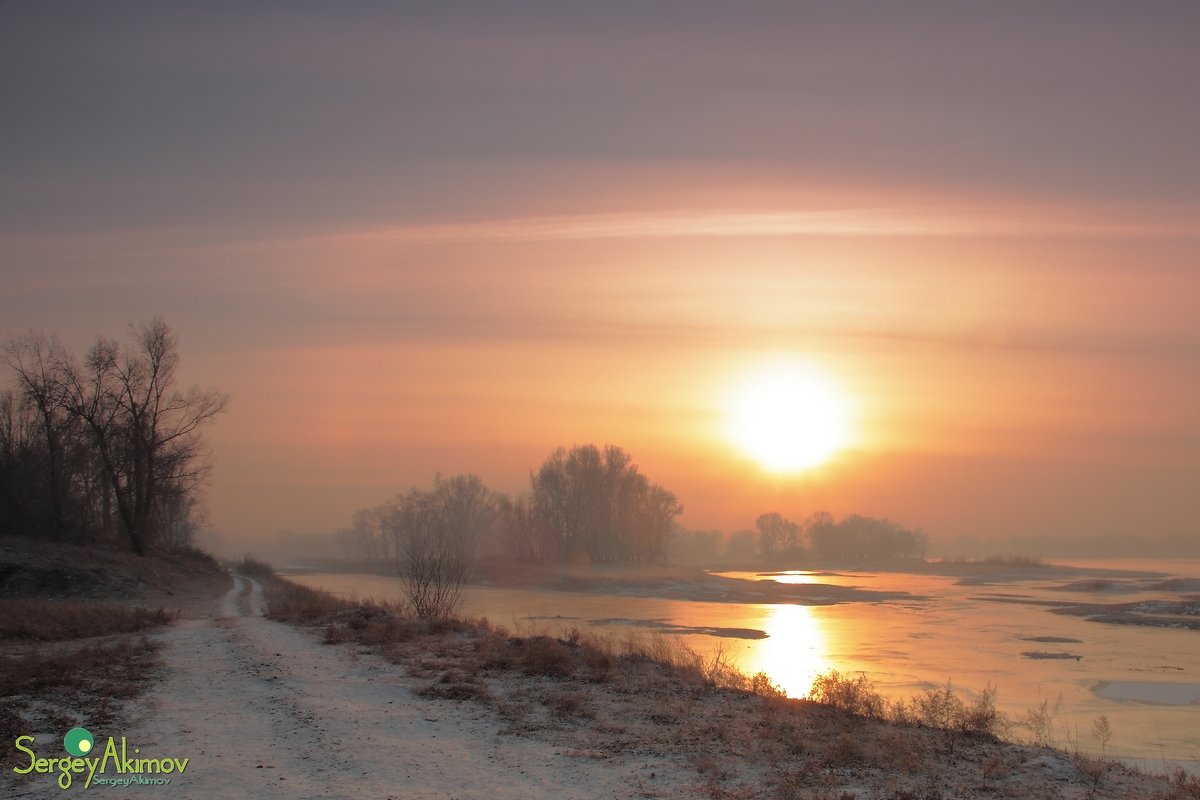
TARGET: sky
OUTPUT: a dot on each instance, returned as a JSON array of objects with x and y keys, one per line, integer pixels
[{"x": 410, "y": 238}]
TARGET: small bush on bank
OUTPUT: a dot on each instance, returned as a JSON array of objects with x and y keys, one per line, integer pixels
[
  {"x": 856, "y": 695},
  {"x": 939, "y": 708},
  {"x": 543, "y": 655}
]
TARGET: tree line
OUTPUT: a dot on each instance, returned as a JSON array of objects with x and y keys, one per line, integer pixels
[
  {"x": 587, "y": 503},
  {"x": 103, "y": 448},
  {"x": 855, "y": 538},
  {"x": 593, "y": 504},
  {"x": 776, "y": 540}
]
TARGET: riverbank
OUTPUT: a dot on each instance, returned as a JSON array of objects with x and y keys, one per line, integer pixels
[
  {"x": 709, "y": 731},
  {"x": 331, "y": 697},
  {"x": 744, "y": 583}
]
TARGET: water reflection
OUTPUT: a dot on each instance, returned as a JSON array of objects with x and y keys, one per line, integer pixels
[
  {"x": 797, "y": 649},
  {"x": 950, "y": 631},
  {"x": 796, "y": 576}
]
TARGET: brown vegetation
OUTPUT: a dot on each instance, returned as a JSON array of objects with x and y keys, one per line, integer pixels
[
  {"x": 61, "y": 686},
  {"x": 179, "y": 579},
  {"x": 67, "y": 657},
  {"x": 743, "y": 738},
  {"x": 39, "y": 620}
]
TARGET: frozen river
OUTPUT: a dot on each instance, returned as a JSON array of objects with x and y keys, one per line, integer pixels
[{"x": 1145, "y": 680}]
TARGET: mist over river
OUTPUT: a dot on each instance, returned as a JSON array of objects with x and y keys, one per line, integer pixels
[{"x": 973, "y": 631}]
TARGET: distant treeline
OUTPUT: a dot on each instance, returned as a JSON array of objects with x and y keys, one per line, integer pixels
[
  {"x": 776, "y": 540},
  {"x": 1142, "y": 545},
  {"x": 592, "y": 504},
  {"x": 587, "y": 503}
]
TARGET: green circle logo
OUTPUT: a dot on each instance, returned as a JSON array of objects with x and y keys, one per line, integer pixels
[{"x": 78, "y": 741}]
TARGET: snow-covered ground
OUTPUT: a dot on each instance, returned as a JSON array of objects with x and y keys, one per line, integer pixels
[{"x": 265, "y": 710}]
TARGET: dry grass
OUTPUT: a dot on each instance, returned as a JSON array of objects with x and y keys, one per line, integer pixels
[
  {"x": 740, "y": 735},
  {"x": 299, "y": 605},
  {"x": 1183, "y": 786},
  {"x": 71, "y": 649},
  {"x": 60, "y": 686},
  {"x": 35, "y": 620},
  {"x": 941, "y": 708}
]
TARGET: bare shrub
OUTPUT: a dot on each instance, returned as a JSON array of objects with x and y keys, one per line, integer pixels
[
  {"x": 982, "y": 717},
  {"x": 855, "y": 695},
  {"x": 762, "y": 685},
  {"x": 720, "y": 671},
  {"x": 939, "y": 708},
  {"x": 1040, "y": 722},
  {"x": 435, "y": 534},
  {"x": 1184, "y": 785},
  {"x": 496, "y": 651},
  {"x": 901, "y": 712},
  {"x": 597, "y": 662},
  {"x": 1102, "y": 732},
  {"x": 543, "y": 655}
]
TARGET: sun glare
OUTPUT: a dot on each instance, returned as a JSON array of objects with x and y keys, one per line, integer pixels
[{"x": 789, "y": 416}]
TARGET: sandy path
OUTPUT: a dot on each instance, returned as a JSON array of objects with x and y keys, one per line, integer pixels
[{"x": 264, "y": 710}]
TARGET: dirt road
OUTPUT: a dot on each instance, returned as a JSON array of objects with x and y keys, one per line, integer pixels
[{"x": 265, "y": 710}]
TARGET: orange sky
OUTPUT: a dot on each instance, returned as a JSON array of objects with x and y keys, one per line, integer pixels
[
  {"x": 1001, "y": 382},
  {"x": 447, "y": 241}
]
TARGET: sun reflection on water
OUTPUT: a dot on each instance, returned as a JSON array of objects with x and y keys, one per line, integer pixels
[
  {"x": 797, "y": 577},
  {"x": 796, "y": 650}
]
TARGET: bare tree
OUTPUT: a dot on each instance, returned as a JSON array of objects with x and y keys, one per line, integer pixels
[
  {"x": 435, "y": 534},
  {"x": 741, "y": 546},
  {"x": 593, "y": 502},
  {"x": 37, "y": 361},
  {"x": 776, "y": 535},
  {"x": 144, "y": 429},
  {"x": 523, "y": 531},
  {"x": 138, "y": 433}
]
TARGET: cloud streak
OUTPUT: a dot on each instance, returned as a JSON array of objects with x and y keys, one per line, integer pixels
[{"x": 857, "y": 223}]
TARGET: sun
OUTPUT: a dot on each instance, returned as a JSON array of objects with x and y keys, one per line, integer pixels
[{"x": 789, "y": 416}]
